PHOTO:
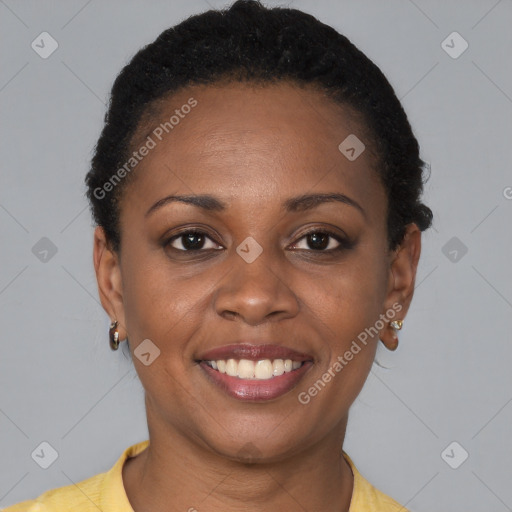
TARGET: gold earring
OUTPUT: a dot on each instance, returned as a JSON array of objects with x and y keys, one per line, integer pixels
[
  {"x": 113, "y": 335},
  {"x": 397, "y": 324}
]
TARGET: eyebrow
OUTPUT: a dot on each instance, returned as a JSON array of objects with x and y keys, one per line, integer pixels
[
  {"x": 309, "y": 201},
  {"x": 204, "y": 201},
  {"x": 294, "y": 204}
]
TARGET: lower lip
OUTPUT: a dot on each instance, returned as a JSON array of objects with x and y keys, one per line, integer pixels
[{"x": 253, "y": 389}]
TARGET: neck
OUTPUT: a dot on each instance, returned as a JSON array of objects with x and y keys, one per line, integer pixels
[{"x": 176, "y": 470}]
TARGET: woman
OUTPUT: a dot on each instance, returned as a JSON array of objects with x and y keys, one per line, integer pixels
[{"x": 257, "y": 194}]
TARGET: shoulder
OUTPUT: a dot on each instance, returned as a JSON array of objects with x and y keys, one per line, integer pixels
[
  {"x": 99, "y": 492},
  {"x": 366, "y": 498},
  {"x": 80, "y": 497}
]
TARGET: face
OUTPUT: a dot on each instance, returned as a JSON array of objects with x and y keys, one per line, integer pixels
[{"x": 246, "y": 234}]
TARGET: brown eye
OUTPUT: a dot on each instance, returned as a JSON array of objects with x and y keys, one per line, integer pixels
[
  {"x": 192, "y": 241},
  {"x": 320, "y": 241}
]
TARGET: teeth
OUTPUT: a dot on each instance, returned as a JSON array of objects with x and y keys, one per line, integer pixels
[
  {"x": 263, "y": 369},
  {"x": 245, "y": 369},
  {"x": 278, "y": 367},
  {"x": 232, "y": 368}
]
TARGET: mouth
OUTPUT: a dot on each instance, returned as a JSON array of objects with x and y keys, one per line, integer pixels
[
  {"x": 255, "y": 372},
  {"x": 263, "y": 369}
]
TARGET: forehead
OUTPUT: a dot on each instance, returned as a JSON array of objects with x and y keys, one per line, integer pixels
[{"x": 253, "y": 141}]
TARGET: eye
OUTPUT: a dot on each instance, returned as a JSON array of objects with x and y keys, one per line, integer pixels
[
  {"x": 321, "y": 241},
  {"x": 192, "y": 240}
]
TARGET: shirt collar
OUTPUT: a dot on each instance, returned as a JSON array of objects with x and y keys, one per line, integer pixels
[
  {"x": 113, "y": 494},
  {"x": 114, "y": 499}
]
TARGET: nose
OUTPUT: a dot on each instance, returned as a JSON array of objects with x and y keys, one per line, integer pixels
[{"x": 256, "y": 292}]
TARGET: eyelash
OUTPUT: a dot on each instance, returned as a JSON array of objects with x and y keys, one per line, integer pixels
[{"x": 344, "y": 244}]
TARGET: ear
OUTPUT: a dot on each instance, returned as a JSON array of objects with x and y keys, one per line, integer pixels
[
  {"x": 402, "y": 277},
  {"x": 108, "y": 277}
]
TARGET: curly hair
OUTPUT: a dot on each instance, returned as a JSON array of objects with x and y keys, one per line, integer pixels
[{"x": 250, "y": 42}]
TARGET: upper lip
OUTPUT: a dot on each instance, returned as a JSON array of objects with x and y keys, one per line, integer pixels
[{"x": 253, "y": 352}]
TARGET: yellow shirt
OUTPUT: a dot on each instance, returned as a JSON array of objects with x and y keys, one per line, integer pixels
[{"x": 106, "y": 492}]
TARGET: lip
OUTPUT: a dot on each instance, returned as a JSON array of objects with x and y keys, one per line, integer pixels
[
  {"x": 253, "y": 353},
  {"x": 253, "y": 390}
]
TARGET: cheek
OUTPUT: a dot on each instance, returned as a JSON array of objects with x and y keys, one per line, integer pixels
[
  {"x": 349, "y": 298},
  {"x": 149, "y": 297},
  {"x": 345, "y": 309},
  {"x": 163, "y": 304},
  {"x": 341, "y": 310},
  {"x": 159, "y": 307}
]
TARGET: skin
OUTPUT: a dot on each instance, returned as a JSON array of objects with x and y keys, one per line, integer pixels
[{"x": 253, "y": 148}]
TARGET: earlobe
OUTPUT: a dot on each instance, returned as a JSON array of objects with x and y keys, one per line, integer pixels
[{"x": 108, "y": 277}]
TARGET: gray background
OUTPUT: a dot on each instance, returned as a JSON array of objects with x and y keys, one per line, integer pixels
[{"x": 450, "y": 379}]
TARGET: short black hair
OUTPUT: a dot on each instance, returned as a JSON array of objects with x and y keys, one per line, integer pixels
[{"x": 250, "y": 42}]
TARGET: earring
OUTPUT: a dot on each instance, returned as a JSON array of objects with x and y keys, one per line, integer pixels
[
  {"x": 113, "y": 335},
  {"x": 397, "y": 324}
]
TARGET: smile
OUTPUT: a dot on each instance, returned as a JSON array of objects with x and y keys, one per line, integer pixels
[
  {"x": 254, "y": 372},
  {"x": 261, "y": 370}
]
